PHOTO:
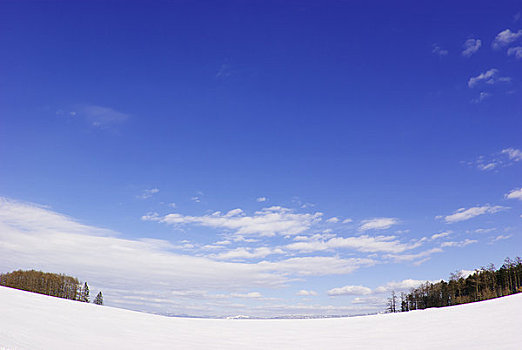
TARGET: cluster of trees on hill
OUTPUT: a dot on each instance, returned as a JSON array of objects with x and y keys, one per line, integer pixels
[
  {"x": 56, "y": 285},
  {"x": 485, "y": 283}
]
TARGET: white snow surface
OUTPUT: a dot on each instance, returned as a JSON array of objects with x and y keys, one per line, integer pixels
[{"x": 34, "y": 321}]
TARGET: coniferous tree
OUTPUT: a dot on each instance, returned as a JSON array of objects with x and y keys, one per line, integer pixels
[
  {"x": 84, "y": 293},
  {"x": 99, "y": 299}
]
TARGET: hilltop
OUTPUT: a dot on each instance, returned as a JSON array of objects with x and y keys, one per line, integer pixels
[{"x": 34, "y": 321}]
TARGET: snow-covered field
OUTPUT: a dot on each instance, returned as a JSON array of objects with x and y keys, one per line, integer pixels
[{"x": 33, "y": 321}]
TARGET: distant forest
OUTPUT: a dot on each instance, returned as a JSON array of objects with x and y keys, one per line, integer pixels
[
  {"x": 485, "y": 283},
  {"x": 56, "y": 285}
]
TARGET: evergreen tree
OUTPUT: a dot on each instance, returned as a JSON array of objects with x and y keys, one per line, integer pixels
[
  {"x": 84, "y": 293},
  {"x": 99, "y": 299}
]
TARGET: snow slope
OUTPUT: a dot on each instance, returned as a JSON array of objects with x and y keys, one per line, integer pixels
[{"x": 33, "y": 321}]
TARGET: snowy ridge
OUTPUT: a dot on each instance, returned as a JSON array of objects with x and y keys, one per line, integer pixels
[{"x": 33, "y": 321}]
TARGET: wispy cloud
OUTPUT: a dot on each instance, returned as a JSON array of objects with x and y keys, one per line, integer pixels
[
  {"x": 148, "y": 193},
  {"x": 224, "y": 71},
  {"x": 515, "y": 51},
  {"x": 485, "y": 230},
  {"x": 378, "y": 224},
  {"x": 197, "y": 197},
  {"x": 459, "y": 244},
  {"x": 365, "y": 243},
  {"x": 489, "y": 77},
  {"x": 250, "y": 295},
  {"x": 440, "y": 235},
  {"x": 482, "y": 96},
  {"x": 437, "y": 50},
  {"x": 513, "y": 154},
  {"x": 504, "y": 158},
  {"x": 242, "y": 253},
  {"x": 266, "y": 222},
  {"x": 101, "y": 117},
  {"x": 419, "y": 257},
  {"x": 333, "y": 220},
  {"x": 261, "y": 199},
  {"x": 470, "y": 47},
  {"x": 501, "y": 238},
  {"x": 316, "y": 265},
  {"x": 33, "y": 237},
  {"x": 463, "y": 214},
  {"x": 505, "y": 38}
]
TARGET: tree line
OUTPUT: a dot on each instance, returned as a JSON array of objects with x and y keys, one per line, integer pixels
[
  {"x": 485, "y": 283},
  {"x": 56, "y": 285}
]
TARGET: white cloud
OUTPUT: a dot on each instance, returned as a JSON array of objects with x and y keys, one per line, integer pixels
[
  {"x": 482, "y": 96},
  {"x": 501, "y": 237},
  {"x": 397, "y": 286},
  {"x": 379, "y": 302},
  {"x": 310, "y": 309},
  {"x": 485, "y": 230},
  {"x": 365, "y": 243},
  {"x": 261, "y": 199},
  {"x": 513, "y": 154},
  {"x": 250, "y": 295},
  {"x": 459, "y": 244},
  {"x": 466, "y": 214},
  {"x": 224, "y": 71},
  {"x": 332, "y": 220},
  {"x": 487, "y": 166},
  {"x": 267, "y": 222},
  {"x": 515, "y": 51},
  {"x": 423, "y": 256},
  {"x": 488, "y": 76},
  {"x": 349, "y": 290},
  {"x": 247, "y": 253},
  {"x": 462, "y": 274},
  {"x": 306, "y": 293},
  {"x": 505, "y": 38},
  {"x": 347, "y": 221},
  {"x": 101, "y": 117},
  {"x": 471, "y": 46},
  {"x": 315, "y": 237},
  {"x": 32, "y": 237},
  {"x": 316, "y": 266},
  {"x": 515, "y": 194},
  {"x": 401, "y": 286},
  {"x": 378, "y": 223},
  {"x": 148, "y": 193},
  {"x": 440, "y": 235},
  {"x": 437, "y": 50},
  {"x": 504, "y": 158}
]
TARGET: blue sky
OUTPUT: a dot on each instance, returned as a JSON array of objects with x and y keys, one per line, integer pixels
[{"x": 260, "y": 158}]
